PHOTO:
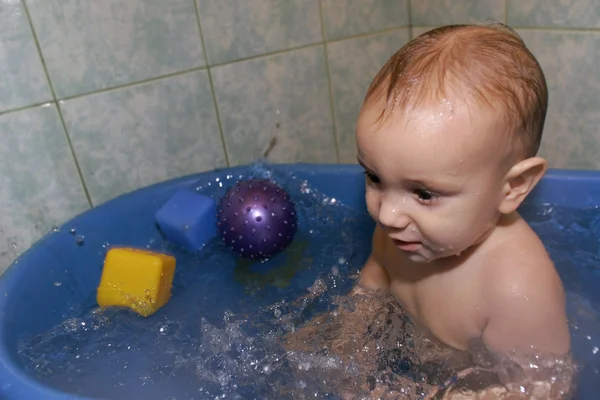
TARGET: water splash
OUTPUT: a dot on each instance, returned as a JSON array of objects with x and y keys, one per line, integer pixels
[
  {"x": 237, "y": 341},
  {"x": 79, "y": 240},
  {"x": 196, "y": 346}
]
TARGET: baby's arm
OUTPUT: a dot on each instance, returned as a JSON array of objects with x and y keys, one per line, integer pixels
[
  {"x": 526, "y": 311},
  {"x": 527, "y": 329},
  {"x": 373, "y": 276}
]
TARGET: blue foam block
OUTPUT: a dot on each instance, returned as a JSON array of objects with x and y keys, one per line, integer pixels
[{"x": 188, "y": 219}]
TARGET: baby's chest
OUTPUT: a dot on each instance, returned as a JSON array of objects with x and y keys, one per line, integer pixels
[{"x": 449, "y": 310}]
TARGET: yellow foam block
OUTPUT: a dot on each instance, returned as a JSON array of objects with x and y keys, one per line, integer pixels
[{"x": 135, "y": 278}]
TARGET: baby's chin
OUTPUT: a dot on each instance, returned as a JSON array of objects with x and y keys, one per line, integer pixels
[
  {"x": 427, "y": 255},
  {"x": 423, "y": 256}
]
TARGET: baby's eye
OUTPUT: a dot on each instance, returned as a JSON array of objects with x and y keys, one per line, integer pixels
[
  {"x": 425, "y": 196},
  {"x": 372, "y": 177}
]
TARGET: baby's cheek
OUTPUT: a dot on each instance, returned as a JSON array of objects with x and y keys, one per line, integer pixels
[
  {"x": 450, "y": 225},
  {"x": 448, "y": 235},
  {"x": 372, "y": 200}
]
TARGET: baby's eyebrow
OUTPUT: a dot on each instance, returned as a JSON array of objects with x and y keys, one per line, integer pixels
[
  {"x": 362, "y": 164},
  {"x": 425, "y": 184},
  {"x": 440, "y": 186}
]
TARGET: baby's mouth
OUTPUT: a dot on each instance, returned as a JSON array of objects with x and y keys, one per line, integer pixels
[{"x": 407, "y": 246}]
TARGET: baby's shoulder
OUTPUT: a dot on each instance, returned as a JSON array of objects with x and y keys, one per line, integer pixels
[
  {"x": 518, "y": 264},
  {"x": 522, "y": 289}
]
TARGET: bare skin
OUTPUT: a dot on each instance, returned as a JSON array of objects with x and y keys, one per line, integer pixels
[
  {"x": 494, "y": 292},
  {"x": 443, "y": 185}
]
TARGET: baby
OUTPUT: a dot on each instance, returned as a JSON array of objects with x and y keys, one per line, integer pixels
[{"x": 448, "y": 135}]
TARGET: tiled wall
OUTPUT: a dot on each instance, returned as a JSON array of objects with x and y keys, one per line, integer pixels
[{"x": 98, "y": 98}]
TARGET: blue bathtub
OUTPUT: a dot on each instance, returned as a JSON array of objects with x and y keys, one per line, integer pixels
[{"x": 30, "y": 303}]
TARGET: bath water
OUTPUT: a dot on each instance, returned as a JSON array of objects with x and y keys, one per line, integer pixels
[{"x": 220, "y": 335}]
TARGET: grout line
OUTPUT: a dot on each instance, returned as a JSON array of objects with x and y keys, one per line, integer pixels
[
  {"x": 308, "y": 45},
  {"x": 558, "y": 29},
  {"x": 329, "y": 87},
  {"x": 374, "y": 33},
  {"x": 410, "y": 24},
  {"x": 60, "y": 115},
  {"x": 130, "y": 84},
  {"x": 39, "y": 48},
  {"x": 536, "y": 28},
  {"x": 27, "y": 107},
  {"x": 212, "y": 86},
  {"x": 267, "y": 54}
]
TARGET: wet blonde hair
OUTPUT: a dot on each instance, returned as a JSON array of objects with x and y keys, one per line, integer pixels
[{"x": 489, "y": 64}]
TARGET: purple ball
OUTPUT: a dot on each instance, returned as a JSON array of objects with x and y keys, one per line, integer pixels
[{"x": 256, "y": 219}]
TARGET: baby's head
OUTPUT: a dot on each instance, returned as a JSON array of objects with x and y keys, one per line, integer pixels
[{"x": 448, "y": 134}]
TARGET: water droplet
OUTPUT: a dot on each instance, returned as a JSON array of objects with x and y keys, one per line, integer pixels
[
  {"x": 79, "y": 239},
  {"x": 57, "y": 284},
  {"x": 14, "y": 245},
  {"x": 595, "y": 350},
  {"x": 55, "y": 229},
  {"x": 72, "y": 231},
  {"x": 277, "y": 313}
]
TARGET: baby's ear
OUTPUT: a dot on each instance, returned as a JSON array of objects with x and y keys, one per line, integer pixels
[{"x": 520, "y": 181}]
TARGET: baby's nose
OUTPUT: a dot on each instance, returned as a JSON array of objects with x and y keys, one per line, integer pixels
[{"x": 392, "y": 215}]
